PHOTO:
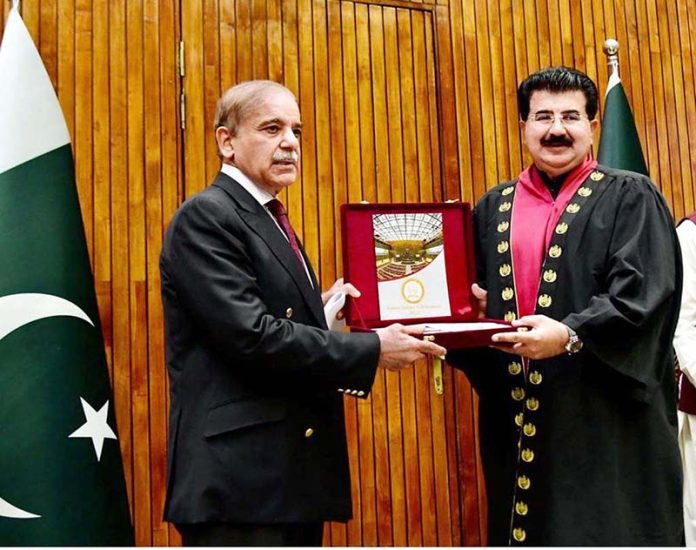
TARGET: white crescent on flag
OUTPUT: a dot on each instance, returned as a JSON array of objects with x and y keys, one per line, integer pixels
[{"x": 17, "y": 310}]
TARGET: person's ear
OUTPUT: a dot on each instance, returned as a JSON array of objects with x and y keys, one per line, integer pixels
[
  {"x": 594, "y": 125},
  {"x": 223, "y": 137}
]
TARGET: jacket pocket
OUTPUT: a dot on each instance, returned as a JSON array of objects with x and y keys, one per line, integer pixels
[{"x": 242, "y": 414}]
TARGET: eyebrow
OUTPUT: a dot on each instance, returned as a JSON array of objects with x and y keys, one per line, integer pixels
[
  {"x": 562, "y": 112},
  {"x": 276, "y": 120}
]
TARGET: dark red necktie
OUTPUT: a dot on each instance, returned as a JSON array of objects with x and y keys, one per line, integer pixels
[{"x": 276, "y": 208}]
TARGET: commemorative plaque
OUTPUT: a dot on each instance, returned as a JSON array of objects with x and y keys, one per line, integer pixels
[{"x": 414, "y": 264}]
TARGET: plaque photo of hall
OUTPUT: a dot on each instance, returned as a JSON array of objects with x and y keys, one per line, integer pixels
[{"x": 406, "y": 243}]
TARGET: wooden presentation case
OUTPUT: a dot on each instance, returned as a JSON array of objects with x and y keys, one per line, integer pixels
[{"x": 359, "y": 268}]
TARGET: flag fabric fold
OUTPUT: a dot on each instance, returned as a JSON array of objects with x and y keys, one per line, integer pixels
[
  {"x": 619, "y": 144},
  {"x": 61, "y": 472}
]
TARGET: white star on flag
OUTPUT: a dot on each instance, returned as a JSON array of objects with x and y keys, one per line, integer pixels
[{"x": 96, "y": 427}]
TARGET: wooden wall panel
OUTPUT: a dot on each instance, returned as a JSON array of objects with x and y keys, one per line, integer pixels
[
  {"x": 114, "y": 68},
  {"x": 656, "y": 57},
  {"x": 401, "y": 100}
]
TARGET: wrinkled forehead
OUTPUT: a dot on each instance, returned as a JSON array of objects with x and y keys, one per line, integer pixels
[
  {"x": 557, "y": 102},
  {"x": 273, "y": 104}
]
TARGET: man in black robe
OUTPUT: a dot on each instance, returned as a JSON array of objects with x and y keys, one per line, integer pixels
[{"x": 577, "y": 413}]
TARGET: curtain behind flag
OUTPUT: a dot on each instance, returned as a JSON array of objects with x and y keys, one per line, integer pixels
[
  {"x": 61, "y": 473},
  {"x": 619, "y": 144}
]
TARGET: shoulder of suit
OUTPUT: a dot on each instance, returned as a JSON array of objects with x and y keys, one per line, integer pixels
[
  {"x": 495, "y": 192},
  {"x": 631, "y": 178},
  {"x": 210, "y": 203}
]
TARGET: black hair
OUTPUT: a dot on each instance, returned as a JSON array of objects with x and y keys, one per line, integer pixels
[{"x": 557, "y": 80}]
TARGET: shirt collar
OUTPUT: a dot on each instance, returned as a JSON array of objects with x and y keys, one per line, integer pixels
[{"x": 261, "y": 195}]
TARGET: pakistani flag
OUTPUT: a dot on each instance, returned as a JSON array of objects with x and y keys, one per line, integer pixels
[
  {"x": 61, "y": 475},
  {"x": 619, "y": 145}
]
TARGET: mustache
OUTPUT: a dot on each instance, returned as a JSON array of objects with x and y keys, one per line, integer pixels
[
  {"x": 286, "y": 156},
  {"x": 557, "y": 140}
]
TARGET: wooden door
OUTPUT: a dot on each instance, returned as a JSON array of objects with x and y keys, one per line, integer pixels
[{"x": 365, "y": 75}]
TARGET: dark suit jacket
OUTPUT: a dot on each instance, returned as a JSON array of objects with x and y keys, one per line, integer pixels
[{"x": 256, "y": 419}]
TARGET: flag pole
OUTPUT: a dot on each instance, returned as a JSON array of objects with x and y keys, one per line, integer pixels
[
  {"x": 619, "y": 144},
  {"x": 611, "y": 50}
]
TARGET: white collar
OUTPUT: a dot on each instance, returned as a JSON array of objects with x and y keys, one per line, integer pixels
[{"x": 260, "y": 194}]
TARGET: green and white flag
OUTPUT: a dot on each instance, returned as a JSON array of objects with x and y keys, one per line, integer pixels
[
  {"x": 61, "y": 473},
  {"x": 619, "y": 144}
]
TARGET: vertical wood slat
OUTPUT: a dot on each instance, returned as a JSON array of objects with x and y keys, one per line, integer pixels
[
  {"x": 97, "y": 53},
  {"x": 114, "y": 67}
]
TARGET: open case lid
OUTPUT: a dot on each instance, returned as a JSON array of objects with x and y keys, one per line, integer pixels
[{"x": 360, "y": 260}]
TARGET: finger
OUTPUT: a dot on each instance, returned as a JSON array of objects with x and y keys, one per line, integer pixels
[
  {"x": 529, "y": 320},
  {"x": 479, "y": 292},
  {"x": 350, "y": 290},
  {"x": 509, "y": 337},
  {"x": 414, "y": 329},
  {"x": 433, "y": 349}
]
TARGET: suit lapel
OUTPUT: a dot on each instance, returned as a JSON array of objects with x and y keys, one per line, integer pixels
[{"x": 259, "y": 221}]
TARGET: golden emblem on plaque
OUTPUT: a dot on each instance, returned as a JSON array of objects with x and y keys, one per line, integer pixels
[
  {"x": 545, "y": 300},
  {"x": 503, "y": 247},
  {"x": 584, "y": 191},
  {"x": 412, "y": 290},
  {"x": 504, "y": 207},
  {"x": 573, "y": 208},
  {"x": 596, "y": 175},
  {"x": 503, "y": 227},
  {"x": 550, "y": 276},
  {"x": 507, "y": 293},
  {"x": 555, "y": 251},
  {"x": 561, "y": 228}
]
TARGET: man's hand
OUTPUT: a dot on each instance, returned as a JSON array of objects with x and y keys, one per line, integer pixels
[
  {"x": 399, "y": 347},
  {"x": 482, "y": 297},
  {"x": 538, "y": 337},
  {"x": 339, "y": 286}
]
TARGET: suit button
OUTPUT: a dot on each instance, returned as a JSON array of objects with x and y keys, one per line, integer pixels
[
  {"x": 521, "y": 508},
  {"x": 361, "y": 393},
  {"x": 519, "y": 534},
  {"x": 309, "y": 432},
  {"x": 529, "y": 429},
  {"x": 288, "y": 312},
  {"x": 354, "y": 392}
]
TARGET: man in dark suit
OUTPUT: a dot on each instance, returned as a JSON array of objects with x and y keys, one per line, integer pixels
[{"x": 257, "y": 445}]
